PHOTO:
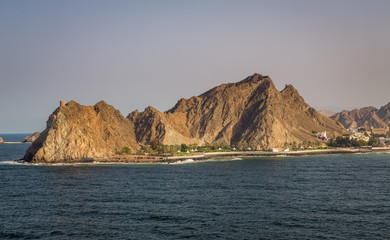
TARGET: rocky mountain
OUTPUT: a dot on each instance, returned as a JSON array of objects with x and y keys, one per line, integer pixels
[
  {"x": 76, "y": 132},
  {"x": 384, "y": 114},
  {"x": 31, "y": 138},
  {"x": 251, "y": 111},
  {"x": 366, "y": 117}
]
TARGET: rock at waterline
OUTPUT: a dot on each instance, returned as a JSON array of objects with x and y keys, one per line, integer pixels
[{"x": 31, "y": 138}]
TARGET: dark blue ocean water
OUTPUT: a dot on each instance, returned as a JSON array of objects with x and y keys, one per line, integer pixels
[{"x": 313, "y": 197}]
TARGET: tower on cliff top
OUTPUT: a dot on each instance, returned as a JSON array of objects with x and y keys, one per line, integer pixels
[{"x": 62, "y": 103}]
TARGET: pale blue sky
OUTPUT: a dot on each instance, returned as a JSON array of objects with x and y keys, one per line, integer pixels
[{"x": 133, "y": 54}]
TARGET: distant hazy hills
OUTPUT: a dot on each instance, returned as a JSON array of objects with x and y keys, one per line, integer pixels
[
  {"x": 327, "y": 113},
  {"x": 366, "y": 117}
]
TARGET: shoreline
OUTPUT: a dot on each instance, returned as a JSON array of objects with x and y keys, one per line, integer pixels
[{"x": 147, "y": 159}]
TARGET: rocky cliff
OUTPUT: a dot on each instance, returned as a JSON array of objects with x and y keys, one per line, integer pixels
[
  {"x": 251, "y": 111},
  {"x": 76, "y": 132},
  {"x": 366, "y": 117},
  {"x": 384, "y": 114},
  {"x": 31, "y": 138}
]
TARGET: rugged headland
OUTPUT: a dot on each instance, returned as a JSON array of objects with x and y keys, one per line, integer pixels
[{"x": 250, "y": 111}]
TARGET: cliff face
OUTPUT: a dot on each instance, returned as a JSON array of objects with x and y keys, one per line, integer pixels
[
  {"x": 75, "y": 132},
  {"x": 251, "y": 111},
  {"x": 366, "y": 117},
  {"x": 384, "y": 114}
]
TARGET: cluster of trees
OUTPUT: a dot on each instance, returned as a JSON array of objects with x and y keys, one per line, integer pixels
[
  {"x": 344, "y": 141},
  {"x": 124, "y": 150},
  {"x": 304, "y": 144},
  {"x": 155, "y": 147}
]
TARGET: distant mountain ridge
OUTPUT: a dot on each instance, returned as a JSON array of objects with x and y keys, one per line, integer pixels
[
  {"x": 365, "y": 117},
  {"x": 327, "y": 113},
  {"x": 251, "y": 111}
]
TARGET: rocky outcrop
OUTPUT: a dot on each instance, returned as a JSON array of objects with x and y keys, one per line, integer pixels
[
  {"x": 75, "y": 132},
  {"x": 31, "y": 138},
  {"x": 367, "y": 117},
  {"x": 384, "y": 114},
  {"x": 1, "y": 140},
  {"x": 251, "y": 111}
]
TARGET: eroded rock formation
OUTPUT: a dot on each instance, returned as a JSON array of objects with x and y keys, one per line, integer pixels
[
  {"x": 31, "y": 138},
  {"x": 76, "y": 132},
  {"x": 251, "y": 111},
  {"x": 367, "y": 117}
]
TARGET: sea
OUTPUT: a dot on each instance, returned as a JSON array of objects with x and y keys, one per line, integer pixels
[{"x": 307, "y": 197}]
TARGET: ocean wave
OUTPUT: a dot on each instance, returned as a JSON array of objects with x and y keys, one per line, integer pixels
[
  {"x": 223, "y": 159},
  {"x": 184, "y": 161},
  {"x": 11, "y": 162}
]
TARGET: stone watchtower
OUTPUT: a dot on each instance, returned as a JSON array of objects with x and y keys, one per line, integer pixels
[{"x": 62, "y": 103}]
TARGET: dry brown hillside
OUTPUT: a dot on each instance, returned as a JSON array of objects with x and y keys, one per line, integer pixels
[
  {"x": 366, "y": 117},
  {"x": 75, "y": 132},
  {"x": 251, "y": 111}
]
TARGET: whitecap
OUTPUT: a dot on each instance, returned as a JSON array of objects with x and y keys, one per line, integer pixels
[{"x": 184, "y": 161}]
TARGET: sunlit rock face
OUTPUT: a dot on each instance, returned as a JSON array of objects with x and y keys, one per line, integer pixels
[
  {"x": 251, "y": 111},
  {"x": 75, "y": 132}
]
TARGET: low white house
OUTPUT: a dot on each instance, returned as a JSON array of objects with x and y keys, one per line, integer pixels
[{"x": 322, "y": 135}]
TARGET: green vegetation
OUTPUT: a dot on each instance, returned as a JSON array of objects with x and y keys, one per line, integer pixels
[
  {"x": 305, "y": 145},
  {"x": 184, "y": 148},
  {"x": 344, "y": 141},
  {"x": 156, "y": 148},
  {"x": 124, "y": 150}
]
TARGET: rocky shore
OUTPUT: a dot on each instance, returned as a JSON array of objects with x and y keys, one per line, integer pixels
[{"x": 135, "y": 158}]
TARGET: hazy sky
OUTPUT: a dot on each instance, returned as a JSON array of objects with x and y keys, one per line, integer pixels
[{"x": 133, "y": 54}]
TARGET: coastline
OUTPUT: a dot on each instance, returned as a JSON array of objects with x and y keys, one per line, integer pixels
[{"x": 149, "y": 159}]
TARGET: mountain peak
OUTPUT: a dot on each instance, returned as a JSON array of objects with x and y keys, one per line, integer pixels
[{"x": 256, "y": 77}]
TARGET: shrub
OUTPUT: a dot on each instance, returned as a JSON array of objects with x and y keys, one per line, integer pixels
[{"x": 126, "y": 150}]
